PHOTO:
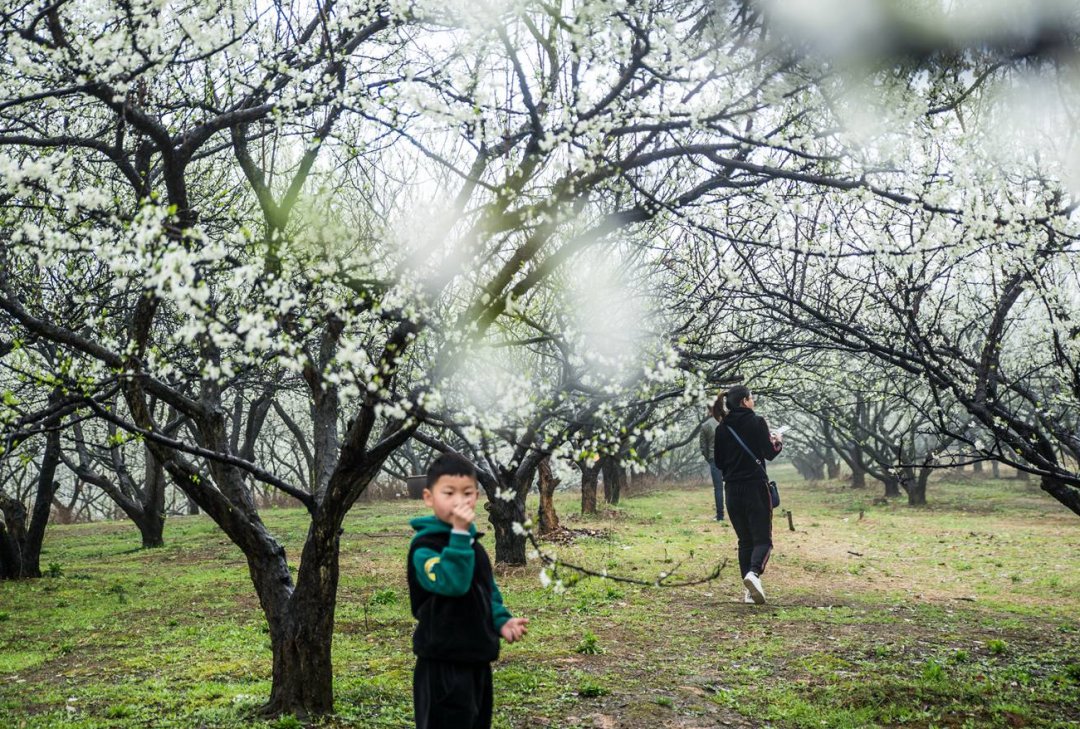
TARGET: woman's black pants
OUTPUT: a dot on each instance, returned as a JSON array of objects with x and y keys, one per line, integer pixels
[{"x": 749, "y": 510}]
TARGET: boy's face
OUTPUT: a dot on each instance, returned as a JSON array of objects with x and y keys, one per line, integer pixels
[{"x": 449, "y": 492}]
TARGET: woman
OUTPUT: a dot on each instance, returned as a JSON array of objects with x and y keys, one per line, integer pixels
[{"x": 749, "y": 506}]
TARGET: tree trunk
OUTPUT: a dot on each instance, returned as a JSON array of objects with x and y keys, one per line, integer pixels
[
  {"x": 1063, "y": 492},
  {"x": 589, "y": 477},
  {"x": 68, "y": 513},
  {"x": 995, "y": 469},
  {"x": 509, "y": 545},
  {"x": 152, "y": 520},
  {"x": 810, "y": 466},
  {"x": 151, "y": 527},
  {"x": 892, "y": 487},
  {"x": 325, "y": 409},
  {"x": 614, "y": 479},
  {"x": 977, "y": 467},
  {"x": 1022, "y": 475},
  {"x": 324, "y": 415},
  {"x": 858, "y": 473},
  {"x": 300, "y": 618},
  {"x": 548, "y": 519},
  {"x": 302, "y": 627},
  {"x": 12, "y": 536},
  {"x": 832, "y": 464},
  {"x": 39, "y": 516},
  {"x": 303, "y": 676},
  {"x": 62, "y": 513},
  {"x": 916, "y": 488},
  {"x": 20, "y": 542},
  {"x": 192, "y": 507}
]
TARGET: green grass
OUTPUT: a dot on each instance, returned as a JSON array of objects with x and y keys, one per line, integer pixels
[{"x": 935, "y": 616}]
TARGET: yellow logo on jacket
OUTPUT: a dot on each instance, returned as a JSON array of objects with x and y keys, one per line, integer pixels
[{"x": 430, "y": 565}]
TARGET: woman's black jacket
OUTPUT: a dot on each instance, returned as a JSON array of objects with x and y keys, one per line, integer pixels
[{"x": 735, "y": 463}]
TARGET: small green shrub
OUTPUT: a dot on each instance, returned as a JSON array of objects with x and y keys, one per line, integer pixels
[
  {"x": 613, "y": 593},
  {"x": 996, "y": 646},
  {"x": 589, "y": 645},
  {"x": 665, "y": 701},
  {"x": 385, "y": 596},
  {"x": 54, "y": 570},
  {"x": 118, "y": 711},
  {"x": 288, "y": 722},
  {"x": 960, "y": 656},
  {"x": 1072, "y": 670},
  {"x": 589, "y": 688},
  {"x": 584, "y": 606},
  {"x": 4, "y": 616},
  {"x": 119, "y": 590},
  {"x": 933, "y": 671}
]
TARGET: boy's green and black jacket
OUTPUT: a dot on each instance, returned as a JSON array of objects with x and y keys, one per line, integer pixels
[{"x": 458, "y": 608}]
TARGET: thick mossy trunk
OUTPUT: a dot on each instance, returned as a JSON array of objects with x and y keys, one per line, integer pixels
[
  {"x": 614, "y": 479},
  {"x": 916, "y": 488},
  {"x": 1065, "y": 493},
  {"x": 12, "y": 536},
  {"x": 152, "y": 521},
  {"x": 809, "y": 466},
  {"x": 590, "y": 476},
  {"x": 892, "y": 487},
  {"x": 858, "y": 474},
  {"x": 20, "y": 540},
  {"x": 547, "y": 519},
  {"x": 152, "y": 529},
  {"x": 302, "y": 628},
  {"x": 303, "y": 675},
  {"x": 509, "y": 545}
]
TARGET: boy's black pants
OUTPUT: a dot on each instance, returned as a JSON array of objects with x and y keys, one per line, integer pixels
[
  {"x": 749, "y": 509},
  {"x": 450, "y": 695}
]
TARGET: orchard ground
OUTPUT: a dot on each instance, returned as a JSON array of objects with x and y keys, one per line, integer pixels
[{"x": 965, "y": 613}]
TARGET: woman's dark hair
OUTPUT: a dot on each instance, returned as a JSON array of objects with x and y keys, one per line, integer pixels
[
  {"x": 732, "y": 398},
  {"x": 449, "y": 464}
]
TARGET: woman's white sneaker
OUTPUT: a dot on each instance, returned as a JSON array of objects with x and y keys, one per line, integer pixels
[{"x": 752, "y": 583}]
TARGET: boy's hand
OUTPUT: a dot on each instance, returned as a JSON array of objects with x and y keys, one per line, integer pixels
[
  {"x": 514, "y": 629},
  {"x": 462, "y": 516}
]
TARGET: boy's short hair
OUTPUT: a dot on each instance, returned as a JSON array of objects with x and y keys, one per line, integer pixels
[{"x": 449, "y": 464}]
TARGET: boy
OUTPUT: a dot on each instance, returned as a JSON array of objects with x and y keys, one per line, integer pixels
[{"x": 459, "y": 610}]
